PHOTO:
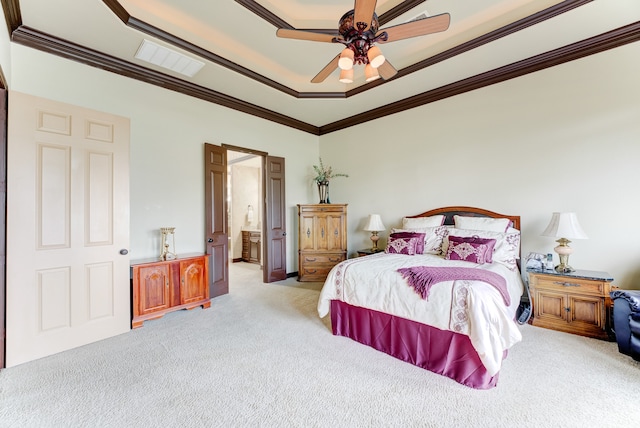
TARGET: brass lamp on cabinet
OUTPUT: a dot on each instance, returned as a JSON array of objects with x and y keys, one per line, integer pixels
[{"x": 168, "y": 250}]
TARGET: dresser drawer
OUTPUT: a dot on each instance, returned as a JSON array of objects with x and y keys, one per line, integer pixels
[
  {"x": 322, "y": 208},
  {"x": 321, "y": 259},
  {"x": 571, "y": 285},
  {"x": 315, "y": 273}
]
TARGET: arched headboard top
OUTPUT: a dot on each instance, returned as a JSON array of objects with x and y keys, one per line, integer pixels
[{"x": 449, "y": 212}]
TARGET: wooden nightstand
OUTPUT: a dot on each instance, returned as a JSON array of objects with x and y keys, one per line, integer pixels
[
  {"x": 576, "y": 302},
  {"x": 368, "y": 252}
]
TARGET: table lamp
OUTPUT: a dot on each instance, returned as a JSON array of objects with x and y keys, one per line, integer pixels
[
  {"x": 564, "y": 226},
  {"x": 374, "y": 225}
]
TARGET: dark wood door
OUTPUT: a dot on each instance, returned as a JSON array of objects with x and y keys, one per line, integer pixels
[
  {"x": 275, "y": 228},
  {"x": 217, "y": 235}
]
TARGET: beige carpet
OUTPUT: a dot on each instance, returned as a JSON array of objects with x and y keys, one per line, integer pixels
[{"x": 260, "y": 356}]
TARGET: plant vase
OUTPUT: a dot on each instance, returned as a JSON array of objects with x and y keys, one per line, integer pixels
[{"x": 323, "y": 191}]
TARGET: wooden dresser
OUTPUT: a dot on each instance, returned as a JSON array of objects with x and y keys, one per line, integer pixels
[
  {"x": 322, "y": 239},
  {"x": 160, "y": 286},
  {"x": 576, "y": 302}
]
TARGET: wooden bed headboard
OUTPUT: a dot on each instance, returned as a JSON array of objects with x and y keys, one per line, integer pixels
[{"x": 449, "y": 212}]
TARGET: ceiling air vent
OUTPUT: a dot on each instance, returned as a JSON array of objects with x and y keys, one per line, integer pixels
[
  {"x": 422, "y": 15},
  {"x": 167, "y": 58}
]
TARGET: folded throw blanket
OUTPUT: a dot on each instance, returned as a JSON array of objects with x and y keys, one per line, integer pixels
[{"x": 422, "y": 278}]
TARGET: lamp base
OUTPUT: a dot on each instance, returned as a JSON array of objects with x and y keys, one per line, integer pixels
[
  {"x": 564, "y": 251},
  {"x": 374, "y": 239},
  {"x": 564, "y": 269}
]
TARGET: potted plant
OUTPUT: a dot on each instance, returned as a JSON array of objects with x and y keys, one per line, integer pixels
[{"x": 322, "y": 178}]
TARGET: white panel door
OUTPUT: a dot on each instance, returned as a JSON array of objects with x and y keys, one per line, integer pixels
[{"x": 67, "y": 224}]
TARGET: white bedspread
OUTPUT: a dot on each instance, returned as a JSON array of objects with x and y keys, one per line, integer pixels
[{"x": 473, "y": 308}]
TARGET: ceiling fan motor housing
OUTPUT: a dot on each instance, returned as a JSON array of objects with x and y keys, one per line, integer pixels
[{"x": 358, "y": 39}]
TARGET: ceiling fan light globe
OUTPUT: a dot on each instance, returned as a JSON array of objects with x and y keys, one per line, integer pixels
[
  {"x": 346, "y": 59},
  {"x": 370, "y": 73},
  {"x": 375, "y": 57},
  {"x": 346, "y": 76}
]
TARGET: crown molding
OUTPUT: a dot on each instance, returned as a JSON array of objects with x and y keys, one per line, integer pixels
[
  {"x": 45, "y": 42},
  {"x": 593, "y": 45},
  {"x": 56, "y": 46}
]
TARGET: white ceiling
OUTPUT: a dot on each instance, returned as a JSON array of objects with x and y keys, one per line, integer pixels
[{"x": 230, "y": 30}]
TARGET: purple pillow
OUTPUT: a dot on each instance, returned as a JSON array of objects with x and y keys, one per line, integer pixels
[
  {"x": 403, "y": 245},
  {"x": 419, "y": 235},
  {"x": 470, "y": 249}
]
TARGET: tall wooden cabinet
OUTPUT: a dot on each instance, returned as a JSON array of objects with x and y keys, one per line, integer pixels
[
  {"x": 158, "y": 287},
  {"x": 322, "y": 239}
]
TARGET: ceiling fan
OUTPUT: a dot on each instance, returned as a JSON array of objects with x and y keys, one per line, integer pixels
[{"x": 359, "y": 33}]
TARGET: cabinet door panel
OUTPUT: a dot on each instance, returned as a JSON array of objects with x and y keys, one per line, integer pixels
[
  {"x": 550, "y": 306},
  {"x": 192, "y": 281},
  {"x": 154, "y": 289},
  {"x": 586, "y": 310},
  {"x": 322, "y": 243},
  {"x": 307, "y": 233},
  {"x": 335, "y": 235}
]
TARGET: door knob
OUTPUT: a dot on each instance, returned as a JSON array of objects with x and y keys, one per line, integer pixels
[
  {"x": 124, "y": 252},
  {"x": 210, "y": 240}
]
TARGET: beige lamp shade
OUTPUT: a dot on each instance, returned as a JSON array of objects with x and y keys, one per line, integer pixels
[
  {"x": 374, "y": 224},
  {"x": 346, "y": 59},
  {"x": 564, "y": 225},
  {"x": 375, "y": 57},
  {"x": 370, "y": 73},
  {"x": 346, "y": 76}
]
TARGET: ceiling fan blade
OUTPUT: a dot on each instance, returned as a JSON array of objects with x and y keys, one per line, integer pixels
[
  {"x": 421, "y": 27},
  {"x": 305, "y": 35},
  {"x": 363, "y": 12},
  {"x": 326, "y": 71},
  {"x": 386, "y": 70}
]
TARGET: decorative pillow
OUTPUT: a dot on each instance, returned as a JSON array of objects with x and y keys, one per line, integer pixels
[
  {"x": 419, "y": 236},
  {"x": 402, "y": 246},
  {"x": 506, "y": 250},
  {"x": 433, "y": 237},
  {"x": 420, "y": 222},
  {"x": 472, "y": 249},
  {"x": 482, "y": 223}
]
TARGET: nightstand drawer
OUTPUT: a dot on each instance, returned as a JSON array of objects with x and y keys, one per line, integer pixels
[{"x": 574, "y": 285}]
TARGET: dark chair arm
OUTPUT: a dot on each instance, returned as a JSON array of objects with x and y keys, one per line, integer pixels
[{"x": 631, "y": 296}]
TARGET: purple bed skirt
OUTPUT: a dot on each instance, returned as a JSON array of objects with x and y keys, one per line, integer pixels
[{"x": 444, "y": 352}]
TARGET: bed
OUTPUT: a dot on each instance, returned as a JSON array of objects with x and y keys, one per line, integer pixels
[{"x": 443, "y": 296}]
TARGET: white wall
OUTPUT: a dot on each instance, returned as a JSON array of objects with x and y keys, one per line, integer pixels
[
  {"x": 563, "y": 139},
  {"x": 167, "y": 135}
]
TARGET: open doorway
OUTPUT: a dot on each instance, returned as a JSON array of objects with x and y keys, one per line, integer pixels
[
  {"x": 245, "y": 194},
  {"x": 272, "y": 245}
]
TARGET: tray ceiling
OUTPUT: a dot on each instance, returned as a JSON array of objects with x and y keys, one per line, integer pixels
[{"x": 246, "y": 67}]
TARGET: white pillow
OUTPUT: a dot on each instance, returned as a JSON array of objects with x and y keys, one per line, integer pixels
[
  {"x": 433, "y": 221},
  {"x": 433, "y": 237},
  {"x": 506, "y": 250},
  {"x": 482, "y": 223}
]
